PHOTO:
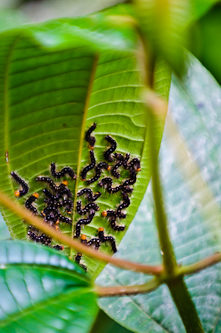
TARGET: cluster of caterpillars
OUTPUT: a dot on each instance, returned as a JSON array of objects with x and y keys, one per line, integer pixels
[{"x": 58, "y": 197}]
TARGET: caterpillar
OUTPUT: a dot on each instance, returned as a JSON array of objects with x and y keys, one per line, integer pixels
[
  {"x": 88, "y": 167},
  {"x": 93, "y": 241},
  {"x": 132, "y": 180},
  {"x": 90, "y": 139},
  {"x": 113, "y": 213},
  {"x": 63, "y": 172},
  {"x": 52, "y": 184},
  {"x": 89, "y": 194},
  {"x": 68, "y": 204},
  {"x": 113, "y": 217},
  {"x": 24, "y": 185},
  {"x": 83, "y": 211},
  {"x": 98, "y": 170},
  {"x": 107, "y": 182},
  {"x": 135, "y": 164},
  {"x": 29, "y": 201},
  {"x": 77, "y": 259},
  {"x": 57, "y": 202},
  {"x": 125, "y": 204},
  {"x": 109, "y": 151},
  {"x": 122, "y": 161},
  {"x": 58, "y": 247},
  {"x": 43, "y": 239},
  {"x": 64, "y": 219},
  {"x": 104, "y": 239},
  {"x": 84, "y": 222}
]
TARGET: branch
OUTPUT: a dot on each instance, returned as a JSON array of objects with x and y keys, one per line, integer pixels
[
  {"x": 199, "y": 266},
  {"x": 37, "y": 222},
  {"x": 157, "y": 109},
  {"x": 128, "y": 290}
]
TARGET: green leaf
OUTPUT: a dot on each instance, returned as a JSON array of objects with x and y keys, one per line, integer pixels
[
  {"x": 105, "y": 324},
  {"x": 162, "y": 25},
  {"x": 204, "y": 43},
  {"x": 37, "y": 283},
  {"x": 195, "y": 105},
  {"x": 50, "y": 96},
  {"x": 4, "y": 233}
]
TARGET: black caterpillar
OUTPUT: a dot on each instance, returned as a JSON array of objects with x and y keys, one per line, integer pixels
[
  {"x": 63, "y": 172},
  {"x": 109, "y": 151},
  {"x": 93, "y": 241},
  {"x": 135, "y": 164},
  {"x": 107, "y": 182},
  {"x": 61, "y": 189},
  {"x": 104, "y": 239},
  {"x": 24, "y": 185},
  {"x": 42, "y": 238},
  {"x": 77, "y": 259},
  {"x": 90, "y": 139},
  {"x": 88, "y": 167},
  {"x": 58, "y": 201},
  {"x": 122, "y": 161},
  {"x": 125, "y": 204},
  {"x": 98, "y": 170},
  {"x": 89, "y": 194},
  {"x": 113, "y": 217},
  {"x": 29, "y": 201},
  {"x": 84, "y": 222},
  {"x": 83, "y": 211},
  {"x": 132, "y": 180},
  {"x": 58, "y": 247}
]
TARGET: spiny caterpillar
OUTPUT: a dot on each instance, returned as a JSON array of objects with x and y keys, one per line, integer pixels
[
  {"x": 63, "y": 172},
  {"x": 122, "y": 161},
  {"x": 107, "y": 182},
  {"x": 93, "y": 241},
  {"x": 83, "y": 211},
  {"x": 90, "y": 139},
  {"x": 24, "y": 185},
  {"x": 77, "y": 259},
  {"x": 89, "y": 194},
  {"x": 109, "y": 239},
  {"x": 84, "y": 222},
  {"x": 98, "y": 170},
  {"x": 88, "y": 167},
  {"x": 29, "y": 201},
  {"x": 109, "y": 151}
]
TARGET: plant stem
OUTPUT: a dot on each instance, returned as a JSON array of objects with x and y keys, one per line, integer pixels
[
  {"x": 156, "y": 119},
  {"x": 128, "y": 290},
  {"x": 37, "y": 222},
  {"x": 198, "y": 266},
  {"x": 185, "y": 305}
]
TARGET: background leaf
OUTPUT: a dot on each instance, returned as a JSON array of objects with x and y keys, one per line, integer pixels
[
  {"x": 50, "y": 96},
  {"x": 195, "y": 105},
  {"x": 47, "y": 283},
  {"x": 204, "y": 43}
]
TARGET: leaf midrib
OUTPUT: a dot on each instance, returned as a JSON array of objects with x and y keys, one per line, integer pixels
[{"x": 82, "y": 135}]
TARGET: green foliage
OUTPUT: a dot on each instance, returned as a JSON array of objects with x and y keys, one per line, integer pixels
[
  {"x": 205, "y": 41},
  {"x": 46, "y": 283},
  {"x": 56, "y": 79},
  {"x": 50, "y": 96},
  {"x": 195, "y": 230}
]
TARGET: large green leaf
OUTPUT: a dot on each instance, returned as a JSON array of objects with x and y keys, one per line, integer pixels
[
  {"x": 37, "y": 283},
  {"x": 195, "y": 235},
  {"x": 54, "y": 84}
]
